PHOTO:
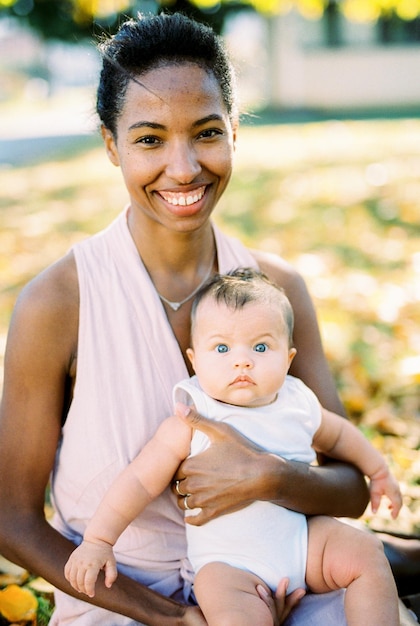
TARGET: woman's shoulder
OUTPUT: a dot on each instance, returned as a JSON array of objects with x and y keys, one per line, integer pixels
[
  {"x": 279, "y": 271},
  {"x": 54, "y": 292},
  {"x": 44, "y": 324}
]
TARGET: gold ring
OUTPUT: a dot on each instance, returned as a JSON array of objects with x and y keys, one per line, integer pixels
[
  {"x": 177, "y": 483},
  {"x": 187, "y": 508}
]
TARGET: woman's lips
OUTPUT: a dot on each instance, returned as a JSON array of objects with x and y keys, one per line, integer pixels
[{"x": 183, "y": 198}]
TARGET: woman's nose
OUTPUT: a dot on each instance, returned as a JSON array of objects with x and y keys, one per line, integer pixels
[{"x": 183, "y": 165}]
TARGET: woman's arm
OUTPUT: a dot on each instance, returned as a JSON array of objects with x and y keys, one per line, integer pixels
[
  {"x": 342, "y": 440},
  {"x": 337, "y": 485},
  {"x": 42, "y": 340},
  {"x": 232, "y": 473}
]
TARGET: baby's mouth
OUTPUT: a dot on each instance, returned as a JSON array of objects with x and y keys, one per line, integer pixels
[{"x": 242, "y": 379}]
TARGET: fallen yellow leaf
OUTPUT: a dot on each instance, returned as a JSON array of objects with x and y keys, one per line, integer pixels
[
  {"x": 17, "y": 604},
  {"x": 10, "y": 573},
  {"x": 40, "y": 585}
]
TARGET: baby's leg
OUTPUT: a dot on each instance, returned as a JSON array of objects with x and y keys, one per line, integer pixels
[
  {"x": 227, "y": 596},
  {"x": 340, "y": 556}
]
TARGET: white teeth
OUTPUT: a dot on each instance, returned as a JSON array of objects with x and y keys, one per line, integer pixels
[{"x": 178, "y": 199}]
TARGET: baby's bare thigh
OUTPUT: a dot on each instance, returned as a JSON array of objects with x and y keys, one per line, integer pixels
[
  {"x": 223, "y": 590},
  {"x": 335, "y": 554}
]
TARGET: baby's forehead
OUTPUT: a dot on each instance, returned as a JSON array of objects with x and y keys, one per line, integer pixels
[
  {"x": 227, "y": 317},
  {"x": 271, "y": 301}
]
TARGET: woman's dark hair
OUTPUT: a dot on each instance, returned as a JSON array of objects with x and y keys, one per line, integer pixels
[{"x": 152, "y": 41}]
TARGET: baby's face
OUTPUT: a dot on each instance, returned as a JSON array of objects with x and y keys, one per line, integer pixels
[{"x": 240, "y": 356}]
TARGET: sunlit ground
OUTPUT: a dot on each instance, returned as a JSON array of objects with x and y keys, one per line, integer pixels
[{"x": 340, "y": 200}]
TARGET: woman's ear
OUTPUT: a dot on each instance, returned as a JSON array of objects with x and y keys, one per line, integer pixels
[
  {"x": 110, "y": 145},
  {"x": 235, "y": 126}
]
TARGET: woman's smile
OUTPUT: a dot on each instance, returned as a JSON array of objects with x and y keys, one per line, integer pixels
[
  {"x": 183, "y": 198},
  {"x": 184, "y": 203},
  {"x": 177, "y": 160}
]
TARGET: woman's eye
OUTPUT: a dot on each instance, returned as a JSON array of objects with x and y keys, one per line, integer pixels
[
  {"x": 222, "y": 347},
  {"x": 149, "y": 140},
  {"x": 261, "y": 347},
  {"x": 209, "y": 133}
]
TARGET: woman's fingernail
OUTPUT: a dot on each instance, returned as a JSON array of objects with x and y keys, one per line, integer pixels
[{"x": 262, "y": 590}]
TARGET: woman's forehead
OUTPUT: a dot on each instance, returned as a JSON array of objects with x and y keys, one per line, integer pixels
[
  {"x": 175, "y": 93},
  {"x": 175, "y": 78}
]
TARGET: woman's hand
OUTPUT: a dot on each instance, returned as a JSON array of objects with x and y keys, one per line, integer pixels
[
  {"x": 234, "y": 472},
  {"x": 224, "y": 477},
  {"x": 280, "y": 604}
]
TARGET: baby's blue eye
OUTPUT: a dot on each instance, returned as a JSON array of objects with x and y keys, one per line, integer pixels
[
  {"x": 261, "y": 347},
  {"x": 222, "y": 347}
]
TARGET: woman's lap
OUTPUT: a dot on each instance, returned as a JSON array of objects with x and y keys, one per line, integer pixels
[
  {"x": 314, "y": 610},
  {"x": 326, "y": 609}
]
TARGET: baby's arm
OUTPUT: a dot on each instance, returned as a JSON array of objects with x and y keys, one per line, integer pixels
[
  {"x": 141, "y": 481},
  {"x": 341, "y": 440}
]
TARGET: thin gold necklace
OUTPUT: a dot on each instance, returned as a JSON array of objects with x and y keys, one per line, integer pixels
[{"x": 176, "y": 305}]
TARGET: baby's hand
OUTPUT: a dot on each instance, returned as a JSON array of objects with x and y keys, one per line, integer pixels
[
  {"x": 85, "y": 563},
  {"x": 384, "y": 484}
]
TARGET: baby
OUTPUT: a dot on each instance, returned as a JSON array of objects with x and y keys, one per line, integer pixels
[{"x": 242, "y": 326}]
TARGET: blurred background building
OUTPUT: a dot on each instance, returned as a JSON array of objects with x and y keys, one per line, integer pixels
[
  {"x": 335, "y": 63},
  {"x": 290, "y": 60}
]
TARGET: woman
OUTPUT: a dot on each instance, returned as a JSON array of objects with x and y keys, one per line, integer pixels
[{"x": 98, "y": 339}]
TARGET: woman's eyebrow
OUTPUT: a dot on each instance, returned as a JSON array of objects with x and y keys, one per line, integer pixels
[
  {"x": 143, "y": 124},
  {"x": 213, "y": 117}
]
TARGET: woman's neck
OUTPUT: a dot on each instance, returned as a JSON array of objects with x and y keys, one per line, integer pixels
[{"x": 177, "y": 262}]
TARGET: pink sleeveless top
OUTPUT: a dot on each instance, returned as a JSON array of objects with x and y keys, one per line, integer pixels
[{"x": 128, "y": 362}]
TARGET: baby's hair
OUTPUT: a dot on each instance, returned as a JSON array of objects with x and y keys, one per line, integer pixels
[{"x": 240, "y": 286}]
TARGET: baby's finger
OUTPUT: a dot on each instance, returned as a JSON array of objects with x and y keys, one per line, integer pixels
[
  {"x": 71, "y": 575},
  {"x": 395, "y": 508},
  {"x": 89, "y": 582},
  {"x": 375, "y": 500},
  {"x": 67, "y": 571},
  {"x": 397, "y": 501},
  {"x": 111, "y": 574},
  {"x": 79, "y": 579}
]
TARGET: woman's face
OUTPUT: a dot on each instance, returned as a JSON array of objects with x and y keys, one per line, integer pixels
[{"x": 174, "y": 145}]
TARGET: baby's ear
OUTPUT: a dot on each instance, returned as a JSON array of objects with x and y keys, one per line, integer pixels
[
  {"x": 292, "y": 354},
  {"x": 190, "y": 355}
]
